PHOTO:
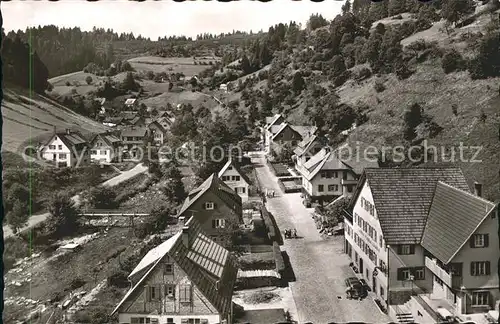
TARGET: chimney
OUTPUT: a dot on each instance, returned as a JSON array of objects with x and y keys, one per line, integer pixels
[
  {"x": 478, "y": 189},
  {"x": 68, "y": 131},
  {"x": 185, "y": 236}
]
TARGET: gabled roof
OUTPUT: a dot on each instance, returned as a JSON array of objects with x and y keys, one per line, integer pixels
[
  {"x": 235, "y": 165},
  {"x": 323, "y": 160},
  {"x": 71, "y": 139},
  {"x": 134, "y": 131},
  {"x": 304, "y": 146},
  {"x": 304, "y": 130},
  {"x": 272, "y": 120},
  {"x": 403, "y": 197},
  {"x": 157, "y": 124},
  {"x": 222, "y": 190},
  {"x": 209, "y": 266},
  {"x": 136, "y": 119},
  {"x": 453, "y": 217},
  {"x": 282, "y": 127},
  {"x": 108, "y": 138}
]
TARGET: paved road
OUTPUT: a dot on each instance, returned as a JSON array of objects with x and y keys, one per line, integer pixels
[
  {"x": 319, "y": 265},
  {"x": 36, "y": 219}
]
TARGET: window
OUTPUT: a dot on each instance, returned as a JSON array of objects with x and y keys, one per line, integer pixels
[
  {"x": 235, "y": 178},
  {"x": 230, "y": 167},
  {"x": 438, "y": 281},
  {"x": 380, "y": 241},
  {"x": 170, "y": 320},
  {"x": 103, "y": 152},
  {"x": 479, "y": 241},
  {"x": 481, "y": 268},
  {"x": 62, "y": 156},
  {"x": 333, "y": 188},
  {"x": 169, "y": 291},
  {"x": 218, "y": 223},
  {"x": 93, "y": 152},
  {"x": 349, "y": 188},
  {"x": 209, "y": 205},
  {"x": 321, "y": 188},
  {"x": 335, "y": 174},
  {"x": 52, "y": 147},
  {"x": 419, "y": 273},
  {"x": 153, "y": 293},
  {"x": 480, "y": 298},
  {"x": 362, "y": 202},
  {"x": 225, "y": 178},
  {"x": 169, "y": 268},
  {"x": 382, "y": 292},
  {"x": 404, "y": 274},
  {"x": 356, "y": 256},
  {"x": 406, "y": 249},
  {"x": 185, "y": 294},
  {"x": 456, "y": 269},
  {"x": 344, "y": 175},
  {"x": 141, "y": 320},
  {"x": 243, "y": 190},
  {"x": 60, "y": 147}
]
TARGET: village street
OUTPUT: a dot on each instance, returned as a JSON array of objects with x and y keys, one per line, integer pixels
[{"x": 319, "y": 265}]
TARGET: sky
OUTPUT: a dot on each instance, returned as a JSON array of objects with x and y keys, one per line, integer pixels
[{"x": 163, "y": 18}]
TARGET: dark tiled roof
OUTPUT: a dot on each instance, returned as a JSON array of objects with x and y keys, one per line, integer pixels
[
  {"x": 453, "y": 217},
  {"x": 208, "y": 265},
  {"x": 71, "y": 139},
  {"x": 403, "y": 197},
  {"x": 158, "y": 125},
  {"x": 222, "y": 190},
  {"x": 108, "y": 138},
  {"x": 304, "y": 130},
  {"x": 134, "y": 131},
  {"x": 272, "y": 120}
]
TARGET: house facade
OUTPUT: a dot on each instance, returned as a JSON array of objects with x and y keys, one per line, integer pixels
[
  {"x": 306, "y": 149},
  {"x": 66, "y": 149},
  {"x": 385, "y": 237},
  {"x": 217, "y": 208},
  {"x": 187, "y": 279},
  {"x": 104, "y": 147},
  {"x": 158, "y": 133},
  {"x": 232, "y": 176},
  {"x": 133, "y": 137},
  {"x": 327, "y": 176}
]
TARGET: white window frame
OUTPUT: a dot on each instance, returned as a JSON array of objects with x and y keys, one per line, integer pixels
[
  {"x": 62, "y": 156},
  {"x": 480, "y": 298},
  {"x": 404, "y": 272},
  {"x": 169, "y": 291},
  {"x": 479, "y": 240},
  {"x": 52, "y": 147},
  {"x": 209, "y": 205},
  {"x": 418, "y": 277},
  {"x": 220, "y": 223},
  {"x": 479, "y": 268},
  {"x": 405, "y": 249}
]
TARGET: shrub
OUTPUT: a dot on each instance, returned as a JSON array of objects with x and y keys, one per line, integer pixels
[
  {"x": 68, "y": 84},
  {"x": 363, "y": 74},
  {"x": 379, "y": 86},
  {"x": 118, "y": 279},
  {"x": 88, "y": 79},
  {"x": 452, "y": 61},
  {"x": 278, "y": 258}
]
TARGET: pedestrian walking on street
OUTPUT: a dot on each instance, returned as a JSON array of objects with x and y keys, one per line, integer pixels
[{"x": 273, "y": 193}]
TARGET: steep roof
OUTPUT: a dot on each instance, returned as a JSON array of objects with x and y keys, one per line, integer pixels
[
  {"x": 403, "y": 197},
  {"x": 304, "y": 130},
  {"x": 323, "y": 160},
  {"x": 272, "y": 120},
  {"x": 108, "y": 138},
  {"x": 130, "y": 101},
  {"x": 205, "y": 263},
  {"x": 157, "y": 124},
  {"x": 222, "y": 190},
  {"x": 304, "y": 146},
  {"x": 235, "y": 165},
  {"x": 453, "y": 217},
  {"x": 134, "y": 131},
  {"x": 136, "y": 119},
  {"x": 70, "y": 139}
]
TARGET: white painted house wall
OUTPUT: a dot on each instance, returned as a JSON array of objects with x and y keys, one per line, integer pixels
[
  {"x": 58, "y": 152},
  {"x": 125, "y": 318},
  {"x": 240, "y": 186}
]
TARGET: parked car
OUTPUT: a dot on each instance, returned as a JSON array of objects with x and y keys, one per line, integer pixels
[
  {"x": 365, "y": 286},
  {"x": 355, "y": 289}
]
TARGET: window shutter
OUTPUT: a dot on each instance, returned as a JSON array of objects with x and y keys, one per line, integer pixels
[
  {"x": 412, "y": 249},
  {"x": 472, "y": 268},
  {"x": 486, "y": 240},
  {"x": 471, "y": 242},
  {"x": 487, "y": 266},
  {"x": 399, "y": 249},
  {"x": 214, "y": 224},
  {"x": 148, "y": 293},
  {"x": 400, "y": 274}
]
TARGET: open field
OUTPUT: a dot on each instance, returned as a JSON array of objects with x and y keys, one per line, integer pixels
[
  {"x": 36, "y": 117},
  {"x": 171, "y": 64}
]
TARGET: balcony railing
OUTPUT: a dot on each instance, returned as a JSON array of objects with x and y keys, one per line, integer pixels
[{"x": 439, "y": 272}]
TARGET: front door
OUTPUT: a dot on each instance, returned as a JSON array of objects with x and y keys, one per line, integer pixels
[{"x": 361, "y": 265}]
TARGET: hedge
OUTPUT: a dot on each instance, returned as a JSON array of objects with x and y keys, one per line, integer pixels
[
  {"x": 279, "y": 169},
  {"x": 278, "y": 259}
]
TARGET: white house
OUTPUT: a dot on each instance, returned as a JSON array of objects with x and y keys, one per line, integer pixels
[
  {"x": 232, "y": 175},
  {"x": 104, "y": 147},
  {"x": 66, "y": 149},
  {"x": 185, "y": 280},
  {"x": 131, "y": 103},
  {"x": 397, "y": 217},
  {"x": 327, "y": 175},
  {"x": 223, "y": 87},
  {"x": 307, "y": 148}
]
